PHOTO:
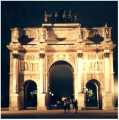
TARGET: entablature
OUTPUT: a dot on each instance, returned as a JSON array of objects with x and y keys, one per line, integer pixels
[{"x": 61, "y": 37}]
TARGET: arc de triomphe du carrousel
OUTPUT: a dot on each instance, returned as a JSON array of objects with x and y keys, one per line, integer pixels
[{"x": 87, "y": 53}]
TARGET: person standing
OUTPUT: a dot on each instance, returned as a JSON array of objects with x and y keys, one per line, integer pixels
[
  {"x": 75, "y": 105},
  {"x": 71, "y": 104},
  {"x": 65, "y": 105},
  {"x": 68, "y": 104}
]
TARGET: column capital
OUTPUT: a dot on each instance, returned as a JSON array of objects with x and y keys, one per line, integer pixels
[
  {"x": 41, "y": 55},
  {"x": 106, "y": 55},
  {"x": 16, "y": 55},
  {"x": 80, "y": 54}
]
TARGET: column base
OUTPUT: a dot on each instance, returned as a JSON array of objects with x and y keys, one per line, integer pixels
[
  {"x": 41, "y": 102},
  {"x": 41, "y": 109},
  {"x": 14, "y": 103},
  {"x": 80, "y": 101},
  {"x": 13, "y": 109}
]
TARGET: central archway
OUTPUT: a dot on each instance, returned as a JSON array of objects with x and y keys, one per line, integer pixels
[{"x": 60, "y": 83}]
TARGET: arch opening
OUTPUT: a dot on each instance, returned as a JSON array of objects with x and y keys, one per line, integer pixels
[
  {"x": 93, "y": 97},
  {"x": 30, "y": 94},
  {"x": 60, "y": 84}
]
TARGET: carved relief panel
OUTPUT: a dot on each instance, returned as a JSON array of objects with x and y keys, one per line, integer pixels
[
  {"x": 30, "y": 63},
  {"x": 94, "y": 63},
  {"x": 62, "y": 34}
]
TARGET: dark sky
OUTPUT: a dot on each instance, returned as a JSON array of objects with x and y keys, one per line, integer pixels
[{"x": 26, "y": 14}]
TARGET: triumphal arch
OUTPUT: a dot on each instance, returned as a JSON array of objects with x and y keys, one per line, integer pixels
[{"x": 88, "y": 52}]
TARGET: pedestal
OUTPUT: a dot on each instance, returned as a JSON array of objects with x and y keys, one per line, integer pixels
[
  {"x": 81, "y": 101},
  {"x": 14, "y": 103},
  {"x": 107, "y": 102},
  {"x": 41, "y": 105}
]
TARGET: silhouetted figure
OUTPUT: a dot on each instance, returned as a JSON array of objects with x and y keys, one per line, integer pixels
[
  {"x": 75, "y": 103},
  {"x": 60, "y": 17},
  {"x": 50, "y": 17},
  {"x": 69, "y": 17},
  {"x": 64, "y": 16},
  {"x": 65, "y": 105},
  {"x": 55, "y": 17},
  {"x": 68, "y": 104},
  {"x": 45, "y": 17},
  {"x": 76, "y": 18},
  {"x": 71, "y": 104}
]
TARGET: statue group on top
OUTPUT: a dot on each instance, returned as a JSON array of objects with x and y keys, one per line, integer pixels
[{"x": 61, "y": 16}]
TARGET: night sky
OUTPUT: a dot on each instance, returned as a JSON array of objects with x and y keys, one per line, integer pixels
[{"x": 26, "y": 14}]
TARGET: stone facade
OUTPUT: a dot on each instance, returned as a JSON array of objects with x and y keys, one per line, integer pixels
[{"x": 88, "y": 50}]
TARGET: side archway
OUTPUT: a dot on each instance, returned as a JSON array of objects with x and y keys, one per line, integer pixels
[
  {"x": 93, "y": 94},
  {"x": 30, "y": 94}
]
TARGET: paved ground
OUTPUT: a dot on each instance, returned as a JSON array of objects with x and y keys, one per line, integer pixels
[{"x": 60, "y": 114}]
